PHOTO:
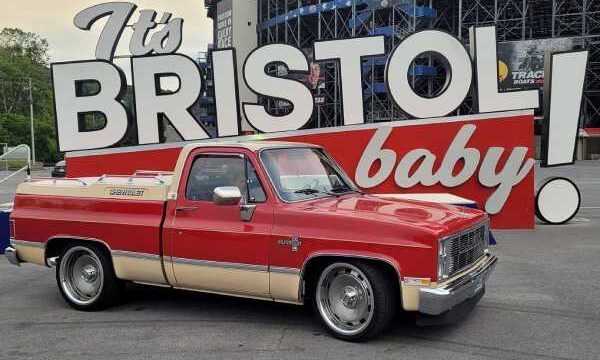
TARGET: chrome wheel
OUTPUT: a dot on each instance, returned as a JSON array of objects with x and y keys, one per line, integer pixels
[
  {"x": 81, "y": 275},
  {"x": 344, "y": 298}
]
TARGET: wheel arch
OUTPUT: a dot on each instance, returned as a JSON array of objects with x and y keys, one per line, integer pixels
[
  {"x": 55, "y": 245},
  {"x": 318, "y": 261}
]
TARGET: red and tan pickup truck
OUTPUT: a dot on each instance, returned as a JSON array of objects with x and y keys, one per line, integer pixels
[{"x": 266, "y": 220}]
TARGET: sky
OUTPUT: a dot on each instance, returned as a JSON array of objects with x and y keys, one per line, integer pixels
[{"x": 53, "y": 20}]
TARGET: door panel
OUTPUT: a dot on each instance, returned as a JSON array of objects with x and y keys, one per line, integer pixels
[{"x": 212, "y": 248}]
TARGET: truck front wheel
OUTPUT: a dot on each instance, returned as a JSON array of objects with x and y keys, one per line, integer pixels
[
  {"x": 354, "y": 300},
  {"x": 86, "y": 278}
]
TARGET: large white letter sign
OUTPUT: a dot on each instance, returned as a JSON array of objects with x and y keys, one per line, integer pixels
[
  {"x": 563, "y": 90},
  {"x": 226, "y": 92},
  {"x": 483, "y": 51},
  {"x": 350, "y": 53},
  {"x": 376, "y": 153},
  {"x": 516, "y": 168},
  {"x": 458, "y": 66},
  {"x": 118, "y": 14},
  {"x": 288, "y": 89},
  {"x": 417, "y": 166},
  {"x": 152, "y": 101},
  {"x": 71, "y": 106}
]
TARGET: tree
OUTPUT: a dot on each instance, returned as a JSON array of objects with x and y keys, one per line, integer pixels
[{"x": 24, "y": 56}]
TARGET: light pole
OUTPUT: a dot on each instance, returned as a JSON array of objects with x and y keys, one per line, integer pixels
[
  {"x": 31, "y": 118},
  {"x": 4, "y": 150}
]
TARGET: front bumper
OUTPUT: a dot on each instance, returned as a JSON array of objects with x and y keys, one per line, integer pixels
[
  {"x": 11, "y": 256},
  {"x": 437, "y": 300}
]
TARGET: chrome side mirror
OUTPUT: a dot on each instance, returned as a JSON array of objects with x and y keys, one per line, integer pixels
[{"x": 227, "y": 195}]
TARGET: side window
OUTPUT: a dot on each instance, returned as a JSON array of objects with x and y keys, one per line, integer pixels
[
  {"x": 212, "y": 171},
  {"x": 256, "y": 193}
]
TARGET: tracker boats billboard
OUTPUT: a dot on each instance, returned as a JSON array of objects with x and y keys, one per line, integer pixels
[
  {"x": 486, "y": 157},
  {"x": 521, "y": 63}
]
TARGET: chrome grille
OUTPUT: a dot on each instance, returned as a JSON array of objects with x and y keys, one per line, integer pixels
[{"x": 466, "y": 248}]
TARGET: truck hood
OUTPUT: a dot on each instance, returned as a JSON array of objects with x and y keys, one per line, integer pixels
[{"x": 377, "y": 219}]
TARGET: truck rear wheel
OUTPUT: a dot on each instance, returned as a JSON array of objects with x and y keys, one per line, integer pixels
[
  {"x": 354, "y": 300},
  {"x": 86, "y": 278}
]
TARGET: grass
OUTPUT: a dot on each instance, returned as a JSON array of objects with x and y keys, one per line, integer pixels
[{"x": 12, "y": 164}]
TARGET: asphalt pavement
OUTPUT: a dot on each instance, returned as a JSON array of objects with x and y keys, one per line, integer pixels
[{"x": 543, "y": 302}]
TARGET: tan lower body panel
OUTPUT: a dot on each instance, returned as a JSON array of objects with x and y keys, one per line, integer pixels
[
  {"x": 146, "y": 270},
  {"x": 30, "y": 252},
  {"x": 410, "y": 297},
  {"x": 285, "y": 287},
  {"x": 239, "y": 295},
  {"x": 251, "y": 281},
  {"x": 223, "y": 280}
]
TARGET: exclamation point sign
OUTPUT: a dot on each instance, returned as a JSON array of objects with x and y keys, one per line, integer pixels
[
  {"x": 558, "y": 199},
  {"x": 563, "y": 93}
]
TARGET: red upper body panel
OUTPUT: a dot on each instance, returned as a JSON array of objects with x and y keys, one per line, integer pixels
[
  {"x": 122, "y": 224},
  {"x": 372, "y": 219},
  {"x": 404, "y": 233}
]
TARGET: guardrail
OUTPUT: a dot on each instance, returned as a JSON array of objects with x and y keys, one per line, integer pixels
[{"x": 26, "y": 168}]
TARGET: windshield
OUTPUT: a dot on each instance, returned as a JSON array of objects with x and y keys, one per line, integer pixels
[{"x": 304, "y": 173}]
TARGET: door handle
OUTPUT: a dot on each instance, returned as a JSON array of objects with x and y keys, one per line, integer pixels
[{"x": 186, "y": 208}]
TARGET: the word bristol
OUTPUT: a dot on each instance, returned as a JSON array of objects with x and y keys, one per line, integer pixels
[{"x": 475, "y": 72}]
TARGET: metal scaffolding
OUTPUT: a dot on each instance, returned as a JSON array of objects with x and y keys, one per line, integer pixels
[
  {"x": 541, "y": 19},
  {"x": 301, "y": 22}
]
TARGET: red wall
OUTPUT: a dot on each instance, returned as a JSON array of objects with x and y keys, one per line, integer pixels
[{"x": 347, "y": 144}]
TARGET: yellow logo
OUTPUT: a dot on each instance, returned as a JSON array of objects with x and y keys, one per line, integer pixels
[{"x": 502, "y": 71}]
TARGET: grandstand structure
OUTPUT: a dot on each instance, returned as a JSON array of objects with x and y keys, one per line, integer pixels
[
  {"x": 301, "y": 22},
  {"x": 205, "y": 110}
]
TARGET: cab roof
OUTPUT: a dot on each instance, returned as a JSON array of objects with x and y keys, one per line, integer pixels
[
  {"x": 253, "y": 146},
  {"x": 249, "y": 145}
]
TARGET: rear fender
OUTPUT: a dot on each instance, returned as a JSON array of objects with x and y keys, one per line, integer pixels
[
  {"x": 55, "y": 244},
  {"x": 132, "y": 266}
]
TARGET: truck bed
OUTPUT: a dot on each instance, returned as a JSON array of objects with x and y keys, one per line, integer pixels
[
  {"x": 126, "y": 212},
  {"x": 140, "y": 186}
]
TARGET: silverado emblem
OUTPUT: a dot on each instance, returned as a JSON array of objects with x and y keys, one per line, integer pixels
[{"x": 293, "y": 242}]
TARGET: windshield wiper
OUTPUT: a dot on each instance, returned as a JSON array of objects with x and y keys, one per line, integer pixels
[
  {"x": 336, "y": 191},
  {"x": 307, "y": 191},
  {"x": 343, "y": 190}
]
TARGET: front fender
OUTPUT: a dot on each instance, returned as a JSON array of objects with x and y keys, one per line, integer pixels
[{"x": 367, "y": 255}]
